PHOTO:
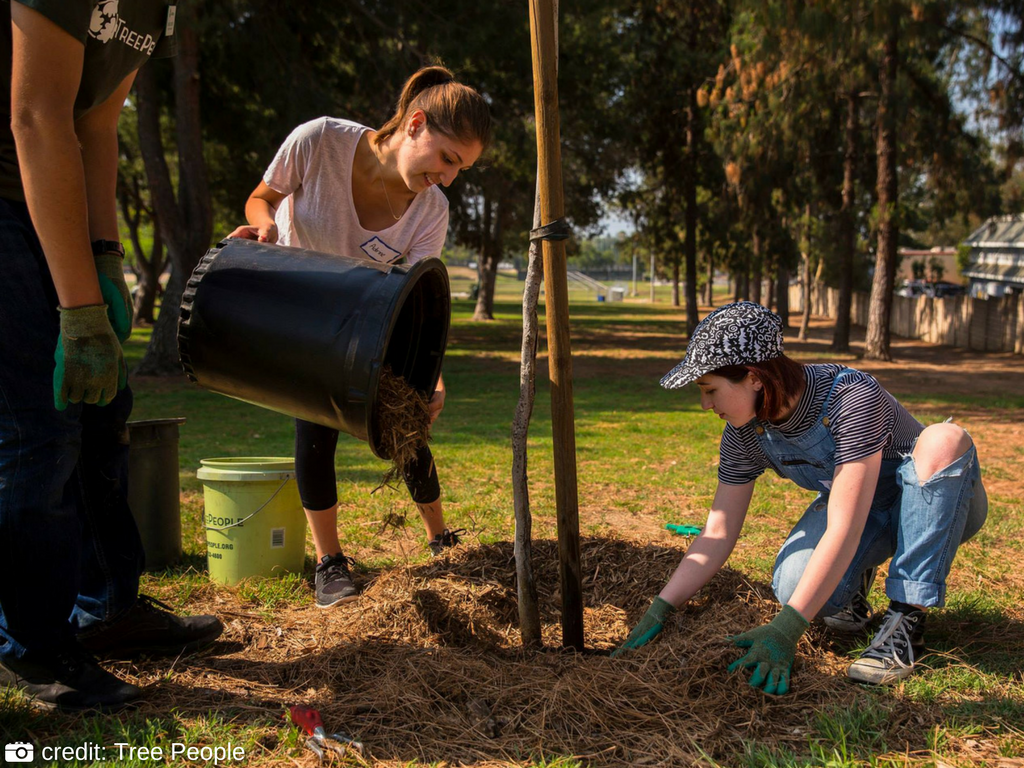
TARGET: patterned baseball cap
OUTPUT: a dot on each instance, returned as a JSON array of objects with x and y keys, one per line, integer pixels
[{"x": 735, "y": 334}]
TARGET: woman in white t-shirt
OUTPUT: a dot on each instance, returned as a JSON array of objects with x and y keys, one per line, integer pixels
[
  {"x": 887, "y": 488},
  {"x": 339, "y": 187}
]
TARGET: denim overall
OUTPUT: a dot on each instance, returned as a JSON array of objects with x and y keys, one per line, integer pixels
[{"x": 918, "y": 525}]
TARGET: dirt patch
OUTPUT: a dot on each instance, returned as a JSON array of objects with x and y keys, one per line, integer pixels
[
  {"x": 917, "y": 365},
  {"x": 918, "y": 368}
]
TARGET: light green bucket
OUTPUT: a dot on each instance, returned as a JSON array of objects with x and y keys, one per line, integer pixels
[{"x": 254, "y": 521}]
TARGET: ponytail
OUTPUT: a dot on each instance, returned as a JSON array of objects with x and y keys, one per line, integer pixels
[{"x": 454, "y": 109}]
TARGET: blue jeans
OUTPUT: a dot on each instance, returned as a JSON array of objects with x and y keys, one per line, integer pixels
[
  {"x": 920, "y": 530},
  {"x": 70, "y": 553}
]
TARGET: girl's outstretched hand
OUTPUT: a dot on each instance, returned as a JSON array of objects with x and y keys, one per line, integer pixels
[
  {"x": 266, "y": 234},
  {"x": 772, "y": 650},
  {"x": 648, "y": 628}
]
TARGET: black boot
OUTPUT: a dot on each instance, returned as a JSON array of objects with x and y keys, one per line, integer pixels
[
  {"x": 856, "y": 616},
  {"x": 71, "y": 681},
  {"x": 149, "y": 628}
]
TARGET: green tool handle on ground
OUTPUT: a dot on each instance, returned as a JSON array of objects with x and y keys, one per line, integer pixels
[{"x": 683, "y": 530}]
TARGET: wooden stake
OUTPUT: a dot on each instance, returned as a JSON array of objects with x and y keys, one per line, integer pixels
[{"x": 549, "y": 161}]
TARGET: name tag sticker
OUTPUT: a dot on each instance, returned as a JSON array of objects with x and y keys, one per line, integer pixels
[
  {"x": 378, "y": 250},
  {"x": 172, "y": 10}
]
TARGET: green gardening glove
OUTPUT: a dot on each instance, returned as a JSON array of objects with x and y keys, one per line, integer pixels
[
  {"x": 648, "y": 628},
  {"x": 90, "y": 367},
  {"x": 772, "y": 650},
  {"x": 114, "y": 289}
]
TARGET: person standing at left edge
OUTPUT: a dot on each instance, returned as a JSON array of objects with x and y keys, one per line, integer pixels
[{"x": 70, "y": 554}]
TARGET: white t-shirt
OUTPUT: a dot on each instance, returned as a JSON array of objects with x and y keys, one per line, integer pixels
[{"x": 314, "y": 169}]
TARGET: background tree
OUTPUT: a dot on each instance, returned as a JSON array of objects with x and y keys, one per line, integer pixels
[
  {"x": 876, "y": 345},
  {"x": 924, "y": 149},
  {"x": 675, "y": 50},
  {"x": 183, "y": 212},
  {"x": 754, "y": 135},
  {"x": 140, "y": 222},
  {"x": 492, "y": 210},
  {"x": 716, "y": 125}
]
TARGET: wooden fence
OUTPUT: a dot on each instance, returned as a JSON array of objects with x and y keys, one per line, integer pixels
[{"x": 983, "y": 325}]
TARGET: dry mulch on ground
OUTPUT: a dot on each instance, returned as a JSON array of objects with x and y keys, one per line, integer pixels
[{"x": 427, "y": 666}]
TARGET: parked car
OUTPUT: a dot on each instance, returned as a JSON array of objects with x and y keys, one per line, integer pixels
[
  {"x": 942, "y": 289},
  {"x": 911, "y": 289},
  {"x": 938, "y": 289}
]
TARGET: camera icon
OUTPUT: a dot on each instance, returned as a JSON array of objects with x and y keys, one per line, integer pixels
[{"x": 19, "y": 752}]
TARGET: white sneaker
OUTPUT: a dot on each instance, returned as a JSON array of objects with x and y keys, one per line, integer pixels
[{"x": 892, "y": 654}]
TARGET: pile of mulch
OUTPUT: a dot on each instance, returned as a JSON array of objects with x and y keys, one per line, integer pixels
[
  {"x": 427, "y": 666},
  {"x": 404, "y": 421}
]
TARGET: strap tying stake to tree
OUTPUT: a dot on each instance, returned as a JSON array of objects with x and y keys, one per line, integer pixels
[{"x": 558, "y": 229}]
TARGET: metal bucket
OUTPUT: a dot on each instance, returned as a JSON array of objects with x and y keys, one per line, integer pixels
[{"x": 154, "y": 490}]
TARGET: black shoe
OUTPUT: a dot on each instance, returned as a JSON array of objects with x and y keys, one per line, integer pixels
[
  {"x": 334, "y": 584},
  {"x": 892, "y": 654},
  {"x": 856, "y": 616},
  {"x": 149, "y": 628},
  {"x": 445, "y": 540},
  {"x": 71, "y": 682}
]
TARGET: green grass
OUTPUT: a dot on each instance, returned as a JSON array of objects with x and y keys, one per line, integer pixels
[
  {"x": 1009, "y": 401},
  {"x": 137, "y": 741},
  {"x": 642, "y": 452}
]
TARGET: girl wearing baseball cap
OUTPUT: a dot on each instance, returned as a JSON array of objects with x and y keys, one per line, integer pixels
[{"x": 886, "y": 486}]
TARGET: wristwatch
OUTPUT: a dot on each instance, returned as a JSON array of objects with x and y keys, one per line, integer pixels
[{"x": 100, "y": 247}]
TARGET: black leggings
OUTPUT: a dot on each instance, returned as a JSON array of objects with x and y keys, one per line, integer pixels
[{"x": 318, "y": 483}]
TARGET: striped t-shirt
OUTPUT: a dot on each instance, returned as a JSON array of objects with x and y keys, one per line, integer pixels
[{"x": 863, "y": 417}]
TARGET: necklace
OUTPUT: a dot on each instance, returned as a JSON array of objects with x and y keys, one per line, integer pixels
[{"x": 387, "y": 197}]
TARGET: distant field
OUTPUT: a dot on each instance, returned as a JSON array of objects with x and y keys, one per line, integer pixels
[{"x": 508, "y": 288}]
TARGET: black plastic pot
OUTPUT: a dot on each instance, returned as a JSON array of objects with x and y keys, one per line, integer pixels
[{"x": 307, "y": 333}]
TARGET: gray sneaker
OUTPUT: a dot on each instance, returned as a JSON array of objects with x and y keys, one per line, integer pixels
[
  {"x": 445, "y": 540},
  {"x": 891, "y": 656},
  {"x": 856, "y": 616},
  {"x": 334, "y": 584}
]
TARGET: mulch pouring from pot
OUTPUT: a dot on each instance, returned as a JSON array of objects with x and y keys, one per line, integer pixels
[{"x": 404, "y": 419}]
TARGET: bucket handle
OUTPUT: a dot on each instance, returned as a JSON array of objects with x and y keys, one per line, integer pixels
[{"x": 249, "y": 517}]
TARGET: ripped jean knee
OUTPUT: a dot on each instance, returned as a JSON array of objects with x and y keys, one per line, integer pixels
[{"x": 934, "y": 518}]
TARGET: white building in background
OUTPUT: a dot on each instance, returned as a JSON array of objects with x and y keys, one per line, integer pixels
[
  {"x": 996, "y": 261},
  {"x": 939, "y": 265}
]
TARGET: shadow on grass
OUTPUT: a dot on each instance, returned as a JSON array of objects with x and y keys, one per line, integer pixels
[
  {"x": 979, "y": 636},
  {"x": 189, "y": 564}
]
